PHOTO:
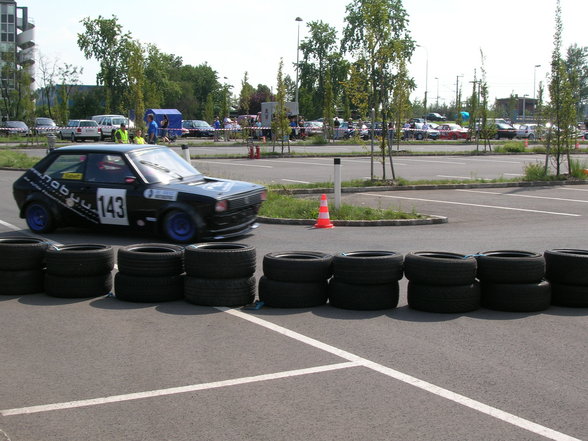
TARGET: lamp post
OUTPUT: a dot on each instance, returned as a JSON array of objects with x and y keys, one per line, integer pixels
[
  {"x": 534, "y": 77},
  {"x": 524, "y": 103},
  {"x": 298, "y": 19},
  {"x": 426, "y": 75},
  {"x": 457, "y": 97},
  {"x": 437, "y": 101}
]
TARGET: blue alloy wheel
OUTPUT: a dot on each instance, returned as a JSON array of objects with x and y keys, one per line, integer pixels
[
  {"x": 179, "y": 226},
  {"x": 39, "y": 218}
]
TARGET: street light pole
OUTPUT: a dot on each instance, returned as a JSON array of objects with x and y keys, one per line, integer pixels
[
  {"x": 534, "y": 77},
  {"x": 524, "y": 103},
  {"x": 298, "y": 19},
  {"x": 426, "y": 75},
  {"x": 437, "y": 102}
]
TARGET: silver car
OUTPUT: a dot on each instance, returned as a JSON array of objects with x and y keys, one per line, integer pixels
[{"x": 81, "y": 129}]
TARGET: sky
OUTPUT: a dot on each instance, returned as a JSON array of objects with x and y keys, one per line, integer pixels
[{"x": 234, "y": 37}]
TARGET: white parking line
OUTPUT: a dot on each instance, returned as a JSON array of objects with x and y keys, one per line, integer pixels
[
  {"x": 294, "y": 180},
  {"x": 173, "y": 390},
  {"x": 233, "y": 163},
  {"x": 298, "y": 162},
  {"x": 525, "y": 196},
  {"x": 12, "y": 227},
  {"x": 573, "y": 188},
  {"x": 497, "y": 207},
  {"x": 434, "y": 162},
  {"x": 454, "y": 177}
]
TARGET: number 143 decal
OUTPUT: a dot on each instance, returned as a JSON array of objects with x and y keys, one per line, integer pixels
[{"x": 112, "y": 206}]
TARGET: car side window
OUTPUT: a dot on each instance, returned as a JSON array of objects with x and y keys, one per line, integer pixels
[
  {"x": 70, "y": 167},
  {"x": 108, "y": 168}
]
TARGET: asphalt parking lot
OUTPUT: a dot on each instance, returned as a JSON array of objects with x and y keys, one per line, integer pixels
[{"x": 104, "y": 369}]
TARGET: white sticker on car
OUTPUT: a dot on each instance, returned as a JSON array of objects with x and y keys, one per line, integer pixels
[
  {"x": 112, "y": 206},
  {"x": 163, "y": 195}
]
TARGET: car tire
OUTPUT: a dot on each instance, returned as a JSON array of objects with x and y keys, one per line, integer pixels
[
  {"x": 571, "y": 296},
  {"x": 142, "y": 289},
  {"x": 39, "y": 218},
  {"x": 298, "y": 266},
  {"x": 419, "y": 136},
  {"x": 443, "y": 299},
  {"x": 220, "y": 260},
  {"x": 71, "y": 287},
  {"x": 219, "y": 292},
  {"x": 72, "y": 138},
  {"x": 61, "y": 136},
  {"x": 516, "y": 297},
  {"x": 368, "y": 267},
  {"x": 510, "y": 266},
  {"x": 531, "y": 137},
  {"x": 151, "y": 260},
  {"x": 180, "y": 226},
  {"x": 21, "y": 282},
  {"x": 79, "y": 260},
  {"x": 567, "y": 266},
  {"x": 440, "y": 268},
  {"x": 363, "y": 297},
  {"x": 281, "y": 294},
  {"x": 20, "y": 253}
]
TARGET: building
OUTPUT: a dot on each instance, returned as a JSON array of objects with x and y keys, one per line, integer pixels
[
  {"x": 17, "y": 42},
  {"x": 516, "y": 108}
]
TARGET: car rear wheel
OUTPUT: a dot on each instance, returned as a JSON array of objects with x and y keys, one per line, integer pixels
[
  {"x": 39, "y": 218},
  {"x": 179, "y": 226},
  {"x": 72, "y": 138}
]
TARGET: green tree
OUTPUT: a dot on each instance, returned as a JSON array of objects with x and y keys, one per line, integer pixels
[
  {"x": 245, "y": 95},
  {"x": 69, "y": 78},
  {"x": 280, "y": 123},
  {"x": 577, "y": 70}
]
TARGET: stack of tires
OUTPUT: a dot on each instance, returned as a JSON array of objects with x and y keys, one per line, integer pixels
[
  {"x": 220, "y": 274},
  {"x": 22, "y": 265},
  {"x": 150, "y": 273},
  {"x": 441, "y": 282},
  {"x": 79, "y": 271},
  {"x": 295, "y": 279},
  {"x": 366, "y": 280},
  {"x": 513, "y": 281},
  {"x": 567, "y": 272}
]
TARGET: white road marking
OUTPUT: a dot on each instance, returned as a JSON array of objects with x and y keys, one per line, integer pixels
[
  {"x": 573, "y": 188},
  {"x": 173, "y": 390},
  {"x": 12, "y": 227},
  {"x": 413, "y": 381},
  {"x": 513, "y": 174},
  {"x": 234, "y": 163},
  {"x": 493, "y": 160},
  {"x": 297, "y": 162},
  {"x": 454, "y": 177},
  {"x": 497, "y": 207},
  {"x": 294, "y": 180},
  {"x": 525, "y": 196},
  {"x": 434, "y": 162}
]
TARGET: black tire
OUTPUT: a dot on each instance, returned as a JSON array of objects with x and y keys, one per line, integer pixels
[
  {"x": 440, "y": 268},
  {"x": 444, "y": 299},
  {"x": 219, "y": 292},
  {"x": 19, "y": 253},
  {"x": 78, "y": 287},
  {"x": 151, "y": 260},
  {"x": 508, "y": 266},
  {"x": 72, "y": 137},
  {"x": 298, "y": 266},
  {"x": 368, "y": 267},
  {"x": 280, "y": 294},
  {"x": 16, "y": 283},
  {"x": 516, "y": 297},
  {"x": 573, "y": 296},
  {"x": 80, "y": 260},
  {"x": 363, "y": 297},
  {"x": 141, "y": 289},
  {"x": 219, "y": 260},
  {"x": 567, "y": 266}
]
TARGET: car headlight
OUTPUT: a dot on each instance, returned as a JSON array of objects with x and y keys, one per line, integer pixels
[{"x": 221, "y": 206}]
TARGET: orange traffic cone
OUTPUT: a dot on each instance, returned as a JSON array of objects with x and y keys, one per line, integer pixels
[
  {"x": 323, "y": 220},
  {"x": 526, "y": 142}
]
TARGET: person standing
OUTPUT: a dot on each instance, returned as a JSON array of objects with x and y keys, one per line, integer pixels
[
  {"x": 151, "y": 129},
  {"x": 164, "y": 130},
  {"x": 217, "y": 126},
  {"x": 138, "y": 139},
  {"x": 121, "y": 136}
]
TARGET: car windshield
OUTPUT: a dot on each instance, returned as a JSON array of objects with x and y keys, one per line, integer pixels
[
  {"x": 45, "y": 122},
  {"x": 16, "y": 124},
  {"x": 163, "y": 165}
]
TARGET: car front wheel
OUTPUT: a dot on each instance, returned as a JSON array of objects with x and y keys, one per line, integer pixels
[
  {"x": 180, "y": 226},
  {"x": 39, "y": 218},
  {"x": 73, "y": 138}
]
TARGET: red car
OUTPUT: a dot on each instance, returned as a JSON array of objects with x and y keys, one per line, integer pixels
[{"x": 453, "y": 131}]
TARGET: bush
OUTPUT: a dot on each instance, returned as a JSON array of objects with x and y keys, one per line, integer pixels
[
  {"x": 511, "y": 147},
  {"x": 535, "y": 172},
  {"x": 577, "y": 168}
]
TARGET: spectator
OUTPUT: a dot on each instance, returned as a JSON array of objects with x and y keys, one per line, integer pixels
[
  {"x": 121, "y": 136},
  {"x": 164, "y": 131},
  {"x": 138, "y": 139},
  {"x": 151, "y": 129},
  {"x": 217, "y": 127}
]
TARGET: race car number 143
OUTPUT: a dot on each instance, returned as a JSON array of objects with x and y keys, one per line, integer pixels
[{"x": 112, "y": 206}]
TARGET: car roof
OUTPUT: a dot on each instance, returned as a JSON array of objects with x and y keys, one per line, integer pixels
[{"x": 107, "y": 148}]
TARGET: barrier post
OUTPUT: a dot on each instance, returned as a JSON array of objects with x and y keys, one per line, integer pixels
[
  {"x": 337, "y": 183},
  {"x": 257, "y": 152},
  {"x": 186, "y": 152}
]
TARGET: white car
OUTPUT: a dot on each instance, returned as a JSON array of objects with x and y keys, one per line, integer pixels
[
  {"x": 111, "y": 123},
  {"x": 81, "y": 129},
  {"x": 529, "y": 131}
]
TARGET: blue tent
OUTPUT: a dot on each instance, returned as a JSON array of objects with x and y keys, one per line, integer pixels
[{"x": 174, "y": 117}]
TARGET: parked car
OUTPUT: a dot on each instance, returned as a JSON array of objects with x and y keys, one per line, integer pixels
[
  {"x": 453, "y": 131},
  {"x": 14, "y": 128},
  {"x": 45, "y": 126},
  {"x": 436, "y": 117},
  {"x": 530, "y": 131},
  {"x": 80, "y": 130},
  {"x": 197, "y": 128},
  {"x": 313, "y": 128},
  {"x": 134, "y": 187},
  {"x": 419, "y": 132},
  {"x": 110, "y": 124},
  {"x": 505, "y": 131}
]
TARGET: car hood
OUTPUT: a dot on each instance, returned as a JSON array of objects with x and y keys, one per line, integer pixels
[{"x": 212, "y": 187}]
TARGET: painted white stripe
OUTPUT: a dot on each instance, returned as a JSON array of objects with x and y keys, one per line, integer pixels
[
  {"x": 413, "y": 381},
  {"x": 238, "y": 164},
  {"x": 493, "y": 160},
  {"x": 434, "y": 162},
  {"x": 496, "y": 207},
  {"x": 12, "y": 227},
  {"x": 513, "y": 174},
  {"x": 573, "y": 188},
  {"x": 174, "y": 390},
  {"x": 294, "y": 180},
  {"x": 526, "y": 196},
  {"x": 287, "y": 161},
  {"x": 454, "y": 177}
]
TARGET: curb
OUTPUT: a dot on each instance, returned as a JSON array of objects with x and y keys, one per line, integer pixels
[{"x": 428, "y": 220}]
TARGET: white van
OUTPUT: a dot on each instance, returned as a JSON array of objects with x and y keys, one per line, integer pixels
[{"x": 110, "y": 124}]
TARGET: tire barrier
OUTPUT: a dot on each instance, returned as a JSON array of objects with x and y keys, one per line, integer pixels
[
  {"x": 220, "y": 274},
  {"x": 22, "y": 265},
  {"x": 567, "y": 271},
  {"x": 513, "y": 281},
  {"x": 366, "y": 280},
  {"x": 150, "y": 273},
  {"x": 79, "y": 271},
  {"x": 441, "y": 282},
  {"x": 295, "y": 279}
]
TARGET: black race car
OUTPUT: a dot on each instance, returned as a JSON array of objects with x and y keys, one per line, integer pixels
[{"x": 144, "y": 188}]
